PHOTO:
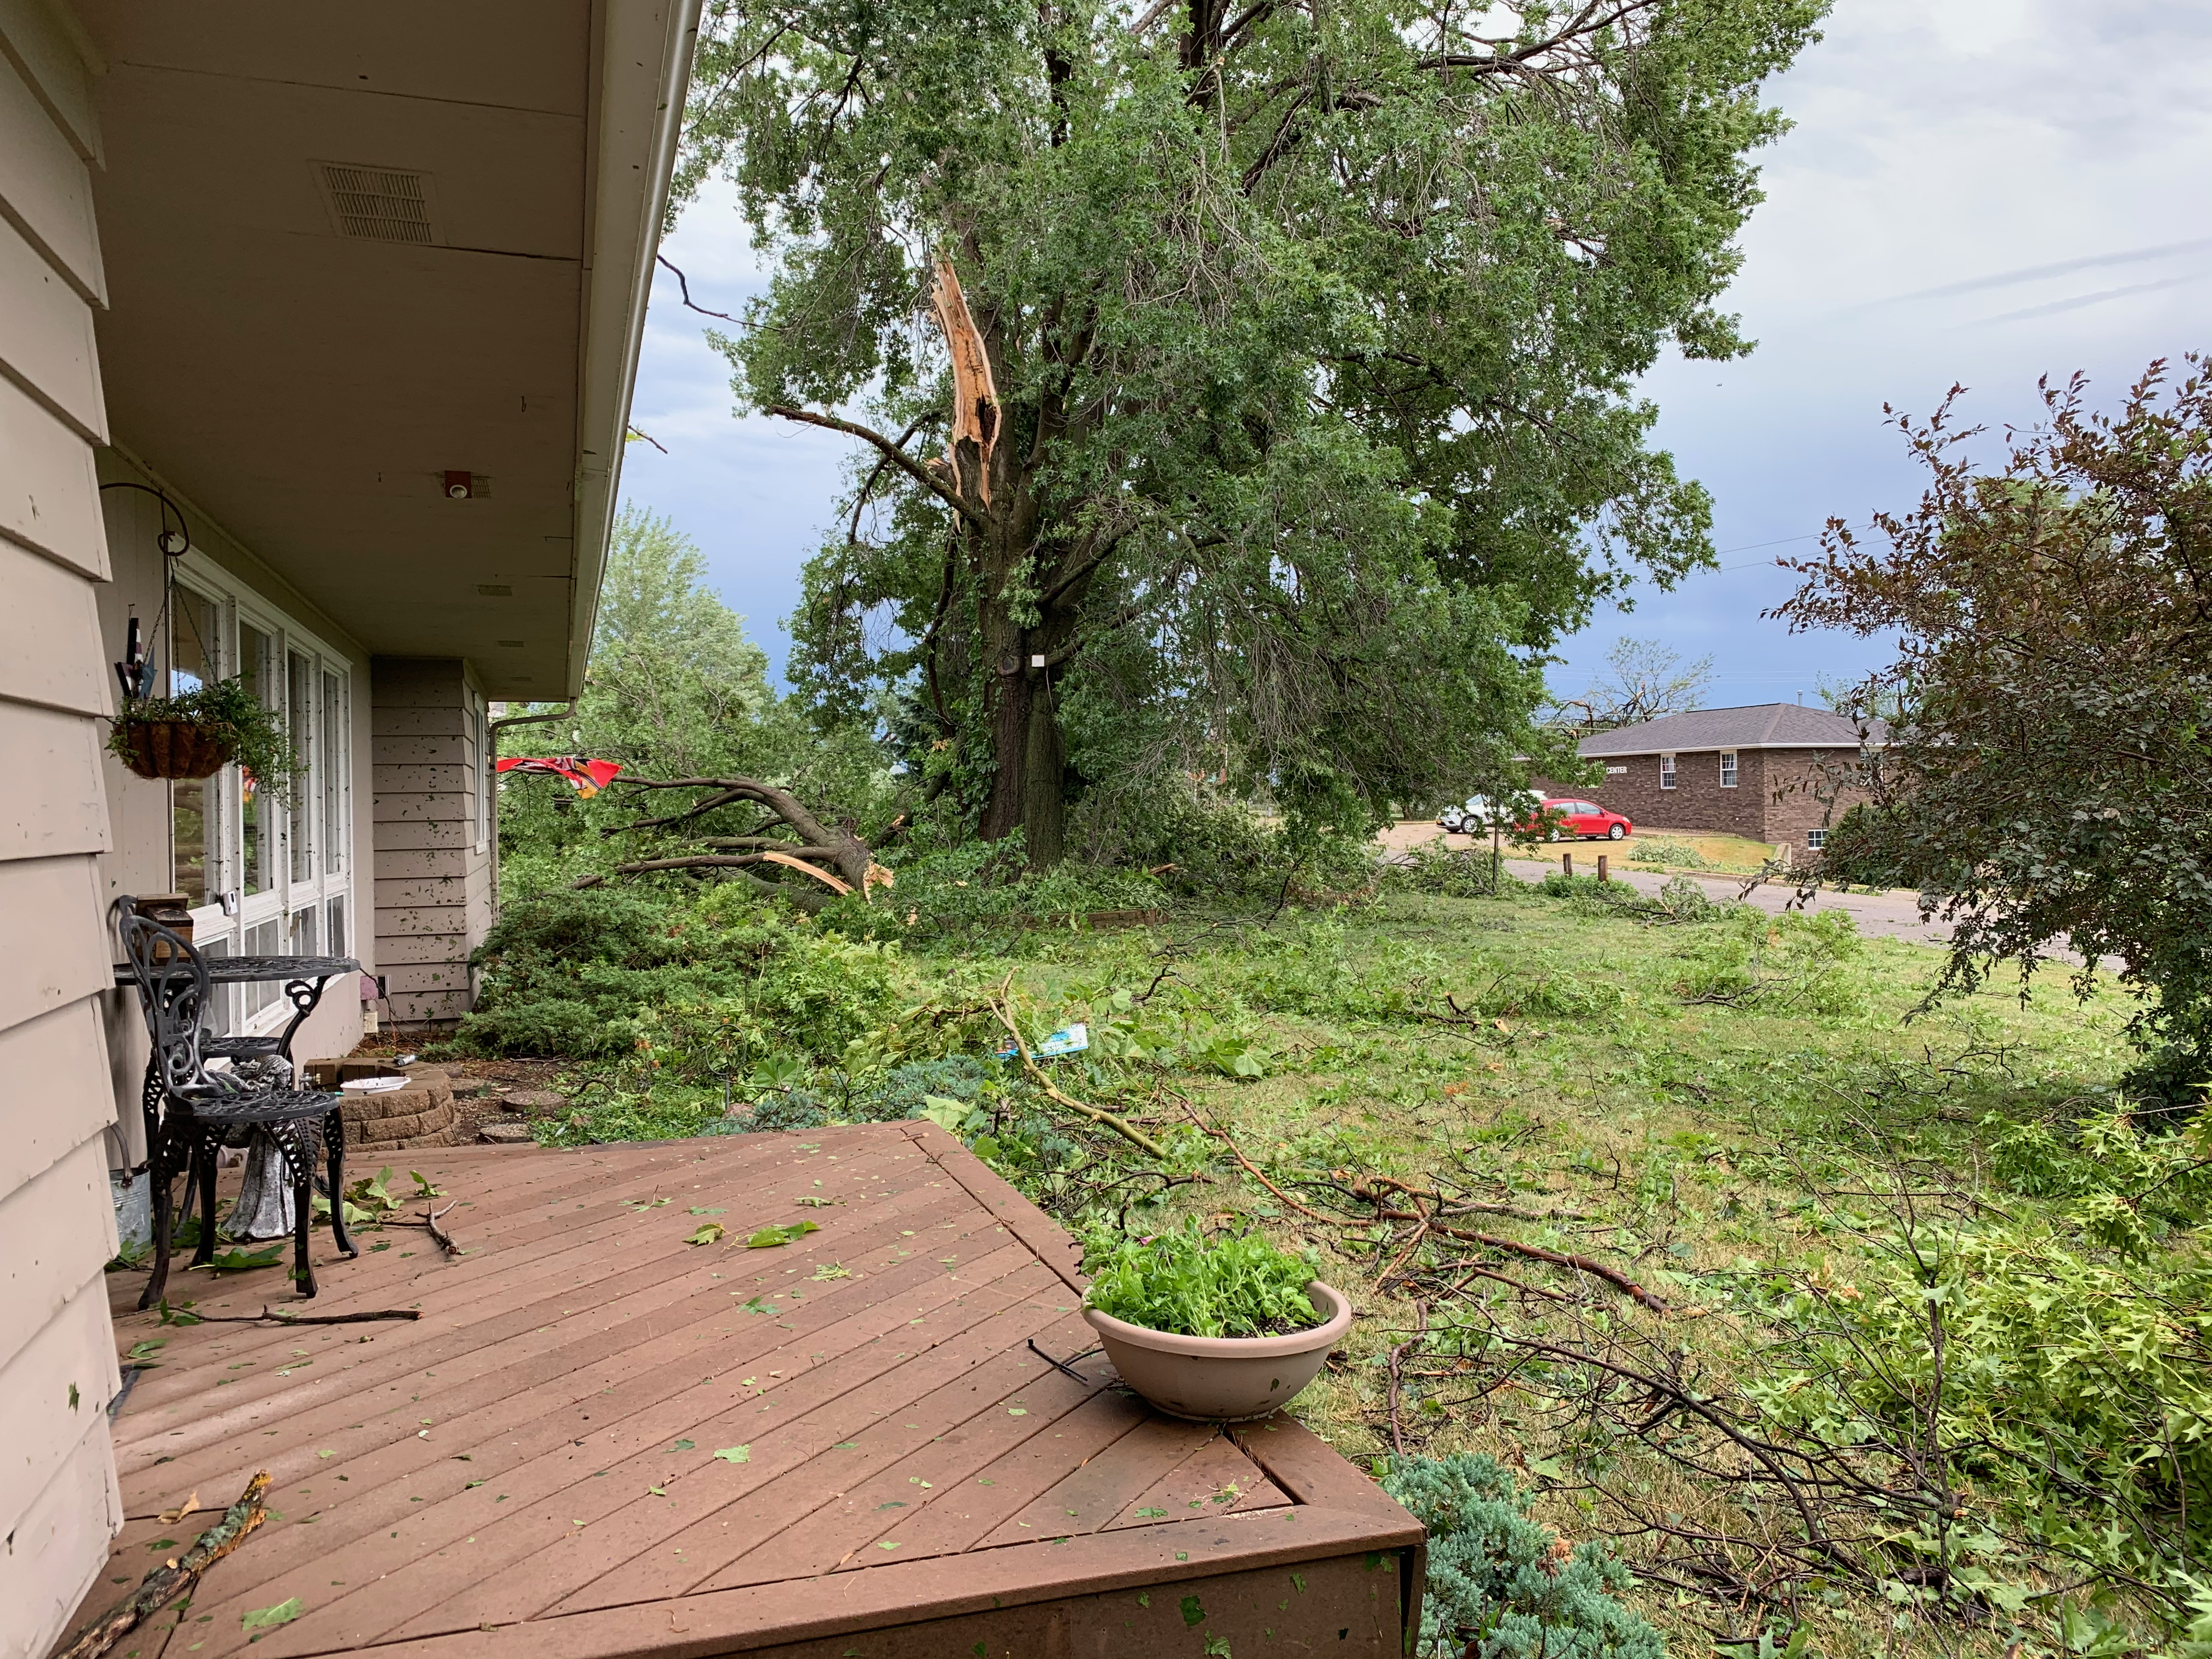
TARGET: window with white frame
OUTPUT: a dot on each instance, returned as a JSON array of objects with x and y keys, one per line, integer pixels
[
  {"x": 1727, "y": 769},
  {"x": 1666, "y": 771},
  {"x": 263, "y": 877},
  {"x": 1816, "y": 839}
]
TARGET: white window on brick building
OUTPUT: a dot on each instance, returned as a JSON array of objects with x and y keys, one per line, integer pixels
[
  {"x": 1727, "y": 769},
  {"x": 1816, "y": 839},
  {"x": 1666, "y": 771}
]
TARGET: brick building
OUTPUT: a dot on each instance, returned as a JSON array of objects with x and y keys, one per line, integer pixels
[{"x": 1772, "y": 772}]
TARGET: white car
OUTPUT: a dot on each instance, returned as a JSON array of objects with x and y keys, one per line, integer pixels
[{"x": 1476, "y": 814}]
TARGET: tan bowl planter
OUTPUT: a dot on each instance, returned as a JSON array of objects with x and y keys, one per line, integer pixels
[{"x": 1223, "y": 1379}]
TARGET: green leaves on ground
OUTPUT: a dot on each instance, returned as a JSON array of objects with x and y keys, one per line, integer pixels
[
  {"x": 262, "y": 1617},
  {"x": 736, "y": 1454},
  {"x": 238, "y": 1259},
  {"x": 769, "y": 1237},
  {"x": 708, "y": 1234}
]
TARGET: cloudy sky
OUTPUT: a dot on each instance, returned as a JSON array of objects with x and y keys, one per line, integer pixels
[{"x": 1976, "y": 191}]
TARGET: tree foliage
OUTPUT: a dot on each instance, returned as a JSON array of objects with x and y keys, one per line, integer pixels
[
  {"x": 674, "y": 689},
  {"x": 2045, "y": 774},
  {"x": 1288, "y": 415}
]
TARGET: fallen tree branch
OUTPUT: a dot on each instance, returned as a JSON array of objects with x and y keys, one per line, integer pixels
[
  {"x": 1119, "y": 1126},
  {"x": 276, "y": 1318},
  {"x": 838, "y": 887},
  {"x": 175, "y": 1576},
  {"x": 1613, "y": 1276},
  {"x": 1253, "y": 1169},
  {"x": 430, "y": 1220}
]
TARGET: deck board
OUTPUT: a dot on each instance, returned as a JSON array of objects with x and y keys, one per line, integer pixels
[{"x": 531, "y": 1466}]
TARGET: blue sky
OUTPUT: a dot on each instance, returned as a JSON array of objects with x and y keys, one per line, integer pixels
[{"x": 1978, "y": 191}]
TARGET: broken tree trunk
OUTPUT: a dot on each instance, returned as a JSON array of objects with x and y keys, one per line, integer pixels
[
  {"x": 975, "y": 395},
  {"x": 835, "y": 858}
]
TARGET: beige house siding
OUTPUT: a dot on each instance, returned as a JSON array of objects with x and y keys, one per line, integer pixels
[
  {"x": 59, "y": 1501},
  {"x": 433, "y": 864}
]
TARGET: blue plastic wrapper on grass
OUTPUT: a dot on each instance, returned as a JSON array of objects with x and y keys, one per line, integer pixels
[{"x": 1068, "y": 1040}]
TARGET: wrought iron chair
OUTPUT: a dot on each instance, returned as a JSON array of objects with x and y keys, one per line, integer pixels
[{"x": 205, "y": 1109}]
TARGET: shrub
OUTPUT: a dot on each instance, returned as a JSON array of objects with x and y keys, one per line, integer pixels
[
  {"x": 2039, "y": 1367},
  {"x": 904, "y": 1092},
  {"x": 1186, "y": 1283},
  {"x": 985, "y": 887},
  {"x": 1786, "y": 964},
  {"x": 1502, "y": 1586},
  {"x": 1679, "y": 853}
]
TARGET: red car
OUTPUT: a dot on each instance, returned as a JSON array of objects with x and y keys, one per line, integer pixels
[{"x": 1583, "y": 819}]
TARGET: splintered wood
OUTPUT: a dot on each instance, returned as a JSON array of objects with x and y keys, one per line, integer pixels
[{"x": 974, "y": 397}]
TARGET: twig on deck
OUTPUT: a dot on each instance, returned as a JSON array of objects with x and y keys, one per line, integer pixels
[
  {"x": 1066, "y": 1365},
  {"x": 175, "y": 1576},
  {"x": 445, "y": 1239},
  {"x": 277, "y": 1318}
]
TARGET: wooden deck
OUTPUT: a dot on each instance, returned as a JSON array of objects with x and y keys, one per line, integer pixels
[{"x": 602, "y": 1440}]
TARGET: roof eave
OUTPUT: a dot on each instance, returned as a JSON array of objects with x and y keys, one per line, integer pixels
[
  {"x": 643, "y": 70},
  {"x": 1715, "y": 748}
]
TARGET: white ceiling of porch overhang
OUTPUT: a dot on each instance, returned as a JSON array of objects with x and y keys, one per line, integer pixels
[{"x": 310, "y": 391}]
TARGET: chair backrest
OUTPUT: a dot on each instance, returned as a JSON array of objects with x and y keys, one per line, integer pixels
[{"x": 175, "y": 992}]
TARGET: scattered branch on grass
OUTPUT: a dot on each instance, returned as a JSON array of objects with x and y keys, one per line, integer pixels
[
  {"x": 1121, "y": 1126},
  {"x": 1255, "y": 1171},
  {"x": 175, "y": 1576},
  {"x": 1397, "y": 1361}
]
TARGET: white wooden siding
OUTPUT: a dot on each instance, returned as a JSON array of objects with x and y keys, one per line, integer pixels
[{"x": 59, "y": 1501}]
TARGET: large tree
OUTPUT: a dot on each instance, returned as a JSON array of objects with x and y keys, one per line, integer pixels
[
  {"x": 2048, "y": 751},
  {"x": 1241, "y": 387}
]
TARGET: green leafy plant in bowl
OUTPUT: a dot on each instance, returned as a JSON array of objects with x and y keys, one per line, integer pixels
[
  {"x": 1225, "y": 1329},
  {"x": 195, "y": 734},
  {"x": 1184, "y": 1282}
]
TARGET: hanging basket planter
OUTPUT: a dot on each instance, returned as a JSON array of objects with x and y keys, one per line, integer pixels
[
  {"x": 199, "y": 733},
  {"x": 175, "y": 748}
]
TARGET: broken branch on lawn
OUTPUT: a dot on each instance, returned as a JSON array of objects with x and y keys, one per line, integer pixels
[
  {"x": 175, "y": 1576},
  {"x": 1119, "y": 1126}
]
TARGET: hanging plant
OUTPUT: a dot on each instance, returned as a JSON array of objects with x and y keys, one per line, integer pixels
[{"x": 199, "y": 733}]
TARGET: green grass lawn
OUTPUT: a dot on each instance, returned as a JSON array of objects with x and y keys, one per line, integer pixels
[
  {"x": 1920, "y": 1354},
  {"x": 1725, "y": 1154}
]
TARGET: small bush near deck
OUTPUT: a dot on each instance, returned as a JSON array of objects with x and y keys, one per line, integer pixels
[
  {"x": 1188, "y": 1283},
  {"x": 1500, "y": 1585}
]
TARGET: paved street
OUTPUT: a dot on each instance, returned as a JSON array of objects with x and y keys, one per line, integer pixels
[{"x": 1879, "y": 915}]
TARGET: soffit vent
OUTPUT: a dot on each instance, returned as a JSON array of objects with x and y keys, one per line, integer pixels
[{"x": 379, "y": 204}]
